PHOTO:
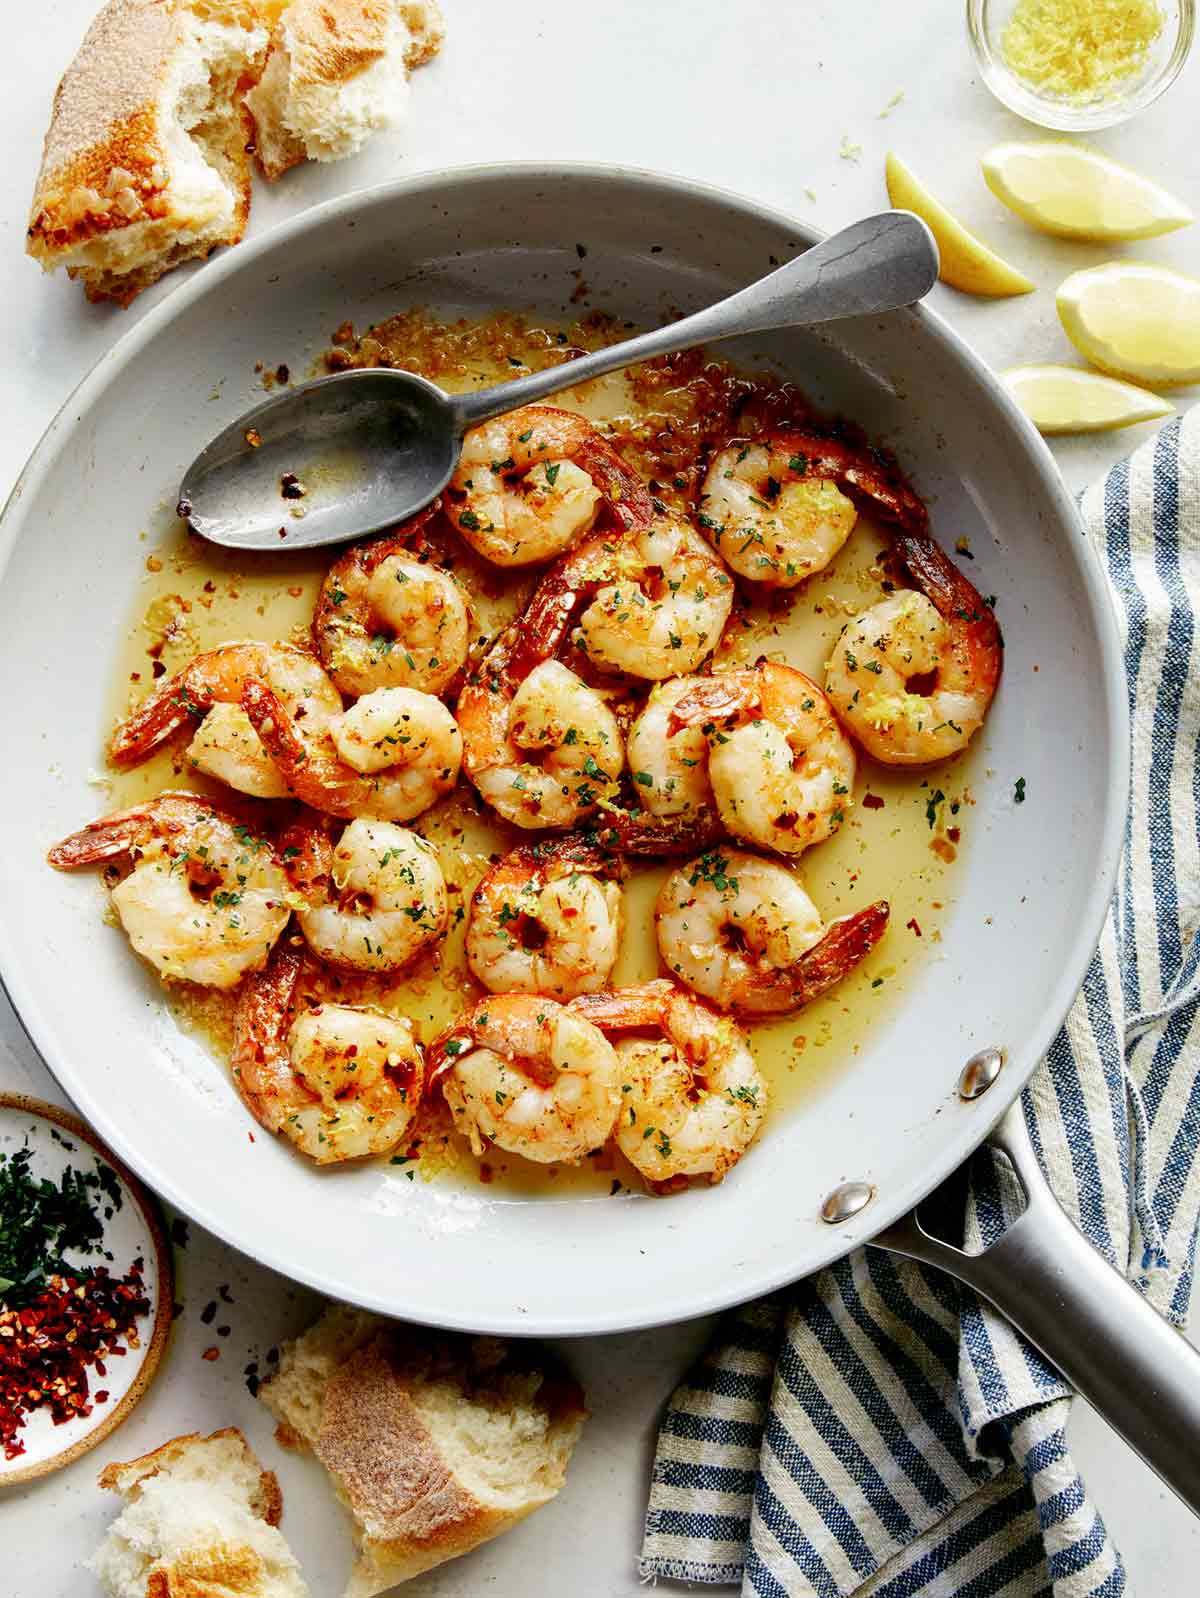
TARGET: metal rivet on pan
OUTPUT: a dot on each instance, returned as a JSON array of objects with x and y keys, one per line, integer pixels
[
  {"x": 980, "y": 1071},
  {"x": 846, "y": 1201}
]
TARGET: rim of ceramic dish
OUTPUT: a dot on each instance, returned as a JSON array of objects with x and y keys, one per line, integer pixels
[{"x": 964, "y": 1136}]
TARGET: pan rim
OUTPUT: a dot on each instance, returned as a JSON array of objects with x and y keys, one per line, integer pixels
[{"x": 971, "y": 1130}]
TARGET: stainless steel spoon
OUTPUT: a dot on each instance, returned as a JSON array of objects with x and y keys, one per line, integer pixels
[{"x": 363, "y": 450}]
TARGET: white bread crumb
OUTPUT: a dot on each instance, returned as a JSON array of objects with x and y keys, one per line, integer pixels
[{"x": 200, "y": 1517}]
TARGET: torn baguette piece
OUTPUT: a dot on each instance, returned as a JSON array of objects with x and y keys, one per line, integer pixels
[
  {"x": 201, "y": 1519},
  {"x": 434, "y": 1442},
  {"x": 336, "y": 73},
  {"x": 146, "y": 161}
]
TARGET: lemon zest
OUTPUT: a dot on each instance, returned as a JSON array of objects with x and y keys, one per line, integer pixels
[{"x": 1080, "y": 49}]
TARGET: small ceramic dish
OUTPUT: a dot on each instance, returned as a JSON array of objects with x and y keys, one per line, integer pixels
[
  {"x": 986, "y": 22},
  {"x": 134, "y": 1230}
]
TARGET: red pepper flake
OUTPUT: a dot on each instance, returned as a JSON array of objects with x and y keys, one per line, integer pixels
[
  {"x": 913, "y": 926},
  {"x": 211, "y": 1354},
  {"x": 48, "y": 1346},
  {"x": 872, "y": 801}
]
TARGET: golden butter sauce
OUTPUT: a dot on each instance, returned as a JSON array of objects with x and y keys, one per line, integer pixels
[{"x": 903, "y": 831}]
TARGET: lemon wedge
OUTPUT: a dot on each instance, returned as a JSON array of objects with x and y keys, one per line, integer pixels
[
  {"x": 1069, "y": 399},
  {"x": 1134, "y": 320},
  {"x": 967, "y": 263},
  {"x": 1077, "y": 193}
]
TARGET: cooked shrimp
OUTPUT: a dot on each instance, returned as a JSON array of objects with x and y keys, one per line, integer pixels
[
  {"x": 547, "y": 919},
  {"x": 670, "y": 765},
  {"x": 390, "y": 756},
  {"x": 692, "y": 1098},
  {"x": 385, "y": 619},
  {"x": 531, "y": 1076},
  {"x": 742, "y": 932},
  {"x": 912, "y": 677},
  {"x": 660, "y": 604},
  {"x": 783, "y": 771},
  {"x": 339, "y": 1082},
  {"x": 544, "y": 751},
  {"x": 306, "y": 695},
  {"x": 776, "y": 510},
  {"x": 206, "y": 898},
  {"x": 375, "y": 902},
  {"x": 531, "y": 484}
]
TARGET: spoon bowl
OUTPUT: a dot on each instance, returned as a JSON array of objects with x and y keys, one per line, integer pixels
[{"x": 332, "y": 460}]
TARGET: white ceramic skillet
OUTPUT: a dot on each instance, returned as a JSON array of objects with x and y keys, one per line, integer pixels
[{"x": 1030, "y": 900}]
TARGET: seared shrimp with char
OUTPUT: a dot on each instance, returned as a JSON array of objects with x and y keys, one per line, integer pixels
[
  {"x": 741, "y": 932},
  {"x": 339, "y": 1081},
  {"x": 387, "y": 619},
  {"x": 530, "y": 1075},
  {"x": 778, "y": 508},
  {"x": 912, "y": 678},
  {"x": 781, "y": 767},
  {"x": 374, "y": 901},
  {"x": 547, "y": 919},
  {"x": 206, "y": 899},
  {"x": 532, "y": 483},
  {"x": 692, "y": 1098}
]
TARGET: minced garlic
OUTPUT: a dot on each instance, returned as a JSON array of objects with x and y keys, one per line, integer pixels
[{"x": 1080, "y": 49}]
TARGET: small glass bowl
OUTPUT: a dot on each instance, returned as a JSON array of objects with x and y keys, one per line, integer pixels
[{"x": 986, "y": 21}]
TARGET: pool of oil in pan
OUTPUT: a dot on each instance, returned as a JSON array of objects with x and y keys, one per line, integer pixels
[{"x": 903, "y": 833}]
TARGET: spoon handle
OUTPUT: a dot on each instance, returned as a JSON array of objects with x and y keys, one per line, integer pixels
[{"x": 878, "y": 264}]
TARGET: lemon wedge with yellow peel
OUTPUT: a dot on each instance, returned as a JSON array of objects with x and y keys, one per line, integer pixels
[
  {"x": 1070, "y": 399},
  {"x": 967, "y": 263},
  {"x": 1077, "y": 193},
  {"x": 1134, "y": 320}
]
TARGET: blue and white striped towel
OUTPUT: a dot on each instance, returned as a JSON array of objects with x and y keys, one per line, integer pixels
[{"x": 876, "y": 1429}]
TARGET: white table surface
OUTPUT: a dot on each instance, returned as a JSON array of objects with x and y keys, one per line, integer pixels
[{"x": 756, "y": 96}]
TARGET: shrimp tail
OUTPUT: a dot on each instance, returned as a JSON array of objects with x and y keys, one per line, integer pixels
[
  {"x": 573, "y": 851},
  {"x": 624, "y": 1008},
  {"x": 259, "y": 1061},
  {"x": 730, "y": 693},
  {"x": 639, "y": 833},
  {"x": 154, "y": 721},
  {"x": 106, "y": 839},
  {"x": 624, "y": 491},
  {"x": 845, "y": 945},
  {"x": 119, "y": 834},
  {"x": 315, "y": 780},
  {"x": 957, "y": 599},
  {"x": 864, "y": 471}
]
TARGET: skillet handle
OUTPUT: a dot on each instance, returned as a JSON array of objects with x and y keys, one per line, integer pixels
[{"x": 1139, "y": 1373}]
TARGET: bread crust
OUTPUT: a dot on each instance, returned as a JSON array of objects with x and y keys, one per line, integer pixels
[
  {"x": 103, "y": 162},
  {"x": 331, "y": 41},
  {"x": 410, "y": 1509},
  {"x": 106, "y": 165},
  {"x": 125, "y": 1477}
]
